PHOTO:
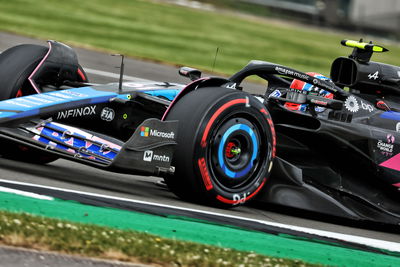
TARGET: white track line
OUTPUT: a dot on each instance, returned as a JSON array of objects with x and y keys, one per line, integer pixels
[
  {"x": 115, "y": 75},
  {"x": 376, "y": 243},
  {"x": 24, "y": 193}
]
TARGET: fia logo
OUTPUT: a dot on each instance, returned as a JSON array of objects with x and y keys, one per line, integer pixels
[
  {"x": 107, "y": 114},
  {"x": 148, "y": 155},
  {"x": 144, "y": 131}
]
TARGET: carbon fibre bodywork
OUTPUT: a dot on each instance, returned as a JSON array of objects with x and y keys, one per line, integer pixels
[{"x": 340, "y": 160}]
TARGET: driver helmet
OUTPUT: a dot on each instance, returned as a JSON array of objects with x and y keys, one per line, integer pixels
[{"x": 300, "y": 85}]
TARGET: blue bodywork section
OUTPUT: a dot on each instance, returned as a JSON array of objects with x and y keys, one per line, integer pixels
[
  {"x": 391, "y": 115},
  {"x": 32, "y": 104},
  {"x": 169, "y": 94}
]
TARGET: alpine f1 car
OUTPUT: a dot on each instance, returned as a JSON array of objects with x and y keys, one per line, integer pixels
[{"x": 329, "y": 145}]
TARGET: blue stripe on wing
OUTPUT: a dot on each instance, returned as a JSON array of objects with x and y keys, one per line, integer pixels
[{"x": 32, "y": 104}]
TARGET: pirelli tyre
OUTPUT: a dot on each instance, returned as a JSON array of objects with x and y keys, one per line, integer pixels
[
  {"x": 17, "y": 64},
  {"x": 226, "y": 145}
]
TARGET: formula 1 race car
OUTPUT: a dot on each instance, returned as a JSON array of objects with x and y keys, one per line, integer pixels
[{"x": 306, "y": 143}]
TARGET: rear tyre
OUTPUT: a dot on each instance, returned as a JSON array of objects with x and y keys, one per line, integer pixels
[{"x": 226, "y": 144}]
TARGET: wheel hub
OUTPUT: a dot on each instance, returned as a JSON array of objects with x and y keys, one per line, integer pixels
[{"x": 232, "y": 150}]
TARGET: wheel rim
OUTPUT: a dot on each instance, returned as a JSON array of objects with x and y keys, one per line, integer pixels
[{"x": 234, "y": 153}]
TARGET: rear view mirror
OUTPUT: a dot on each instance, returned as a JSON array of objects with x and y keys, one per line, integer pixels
[{"x": 192, "y": 74}]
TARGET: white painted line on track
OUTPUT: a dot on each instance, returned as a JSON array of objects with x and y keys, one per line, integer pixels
[
  {"x": 376, "y": 243},
  {"x": 115, "y": 75},
  {"x": 24, "y": 193}
]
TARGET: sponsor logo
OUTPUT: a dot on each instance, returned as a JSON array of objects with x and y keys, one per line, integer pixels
[
  {"x": 240, "y": 199},
  {"x": 146, "y": 132},
  {"x": 319, "y": 109},
  {"x": 367, "y": 107},
  {"x": 351, "y": 104},
  {"x": 386, "y": 147},
  {"x": 231, "y": 86},
  {"x": 107, "y": 114},
  {"x": 150, "y": 156},
  {"x": 373, "y": 76},
  {"x": 304, "y": 92},
  {"x": 77, "y": 112},
  {"x": 276, "y": 93},
  {"x": 319, "y": 102},
  {"x": 289, "y": 72}
]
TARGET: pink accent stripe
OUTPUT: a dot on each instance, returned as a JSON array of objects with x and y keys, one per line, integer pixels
[
  {"x": 36, "y": 69},
  {"x": 397, "y": 185},
  {"x": 392, "y": 163},
  {"x": 177, "y": 97}
]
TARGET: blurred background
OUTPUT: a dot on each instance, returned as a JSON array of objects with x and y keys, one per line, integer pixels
[
  {"x": 220, "y": 36},
  {"x": 381, "y": 18}
]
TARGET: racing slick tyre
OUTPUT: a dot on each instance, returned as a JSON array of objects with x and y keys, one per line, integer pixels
[
  {"x": 16, "y": 65},
  {"x": 226, "y": 145}
]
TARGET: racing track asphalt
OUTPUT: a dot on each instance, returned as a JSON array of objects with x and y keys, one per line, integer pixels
[{"x": 70, "y": 175}]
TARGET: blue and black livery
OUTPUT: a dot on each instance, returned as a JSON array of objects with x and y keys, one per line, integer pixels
[{"x": 211, "y": 141}]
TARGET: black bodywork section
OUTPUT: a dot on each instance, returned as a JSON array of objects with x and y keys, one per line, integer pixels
[{"x": 335, "y": 160}]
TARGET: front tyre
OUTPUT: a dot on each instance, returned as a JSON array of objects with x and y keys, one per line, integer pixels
[{"x": 226, "y": 145}]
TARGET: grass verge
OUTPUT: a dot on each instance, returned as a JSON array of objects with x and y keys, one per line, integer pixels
[
  {"x": 103, "y": 242},
  {"x": 177, "y": 35}
]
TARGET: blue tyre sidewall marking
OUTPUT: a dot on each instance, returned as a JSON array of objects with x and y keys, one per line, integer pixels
[{"x": 252, "y": 135}]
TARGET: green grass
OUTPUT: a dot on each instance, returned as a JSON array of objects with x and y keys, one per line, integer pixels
[
  {"x": 103, "y": 242},
  {"x": 177, "y": 35}
]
